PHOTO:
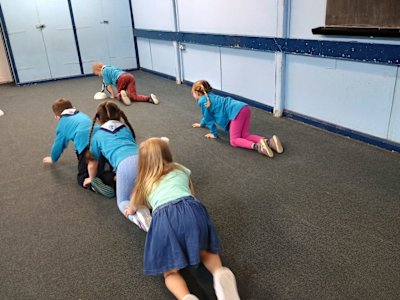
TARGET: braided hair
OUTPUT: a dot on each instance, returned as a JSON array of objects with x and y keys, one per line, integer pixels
[
  {"x": 203, "y": 87},
  {"x": 107, "y": 111}
]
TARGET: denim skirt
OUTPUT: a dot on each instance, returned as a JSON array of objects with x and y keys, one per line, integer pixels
[{"x": 179, "y": 230}]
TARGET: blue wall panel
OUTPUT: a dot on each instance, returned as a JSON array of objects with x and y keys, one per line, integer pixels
[
  {"x": 145, "y": 56},
  {"x": 394, "y": 126},
  {"x": 202, "y": 62},
  {"x": 250, "y": 74},
  {"x": 352, "y": 95},
  {"x": 163, "y": 57}
]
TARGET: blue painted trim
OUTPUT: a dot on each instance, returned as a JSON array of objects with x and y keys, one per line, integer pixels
[
  {"x": 75, "y": 35},
  {"x": 354, "y": 51},
  {"x": 65, "y": 78},
  {"x": 369, "y": 139},
  {"x": 8, "y": 44}
]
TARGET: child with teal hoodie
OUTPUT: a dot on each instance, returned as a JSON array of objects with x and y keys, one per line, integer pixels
[{"x": 234, "y": 117}]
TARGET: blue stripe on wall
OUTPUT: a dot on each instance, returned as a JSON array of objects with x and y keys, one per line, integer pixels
[{"x": 355, "y": 51}]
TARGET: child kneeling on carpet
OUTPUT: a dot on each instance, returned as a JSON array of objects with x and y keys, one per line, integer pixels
[
  {"x": 74, "y": 126},
  {"x": 123, "y": 81},
  {"x": 115, "y": 140},
  {"x": 181, "y": 233},
  {"x": 234, "y": 117}
]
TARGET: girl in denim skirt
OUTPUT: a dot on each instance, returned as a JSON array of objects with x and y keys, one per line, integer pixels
[{"x": 181, "y": 233}]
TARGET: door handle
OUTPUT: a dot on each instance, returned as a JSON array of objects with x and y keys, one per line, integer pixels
[
  {"x": 104, "y": 22},
  {"x": 40, "y": 26}
]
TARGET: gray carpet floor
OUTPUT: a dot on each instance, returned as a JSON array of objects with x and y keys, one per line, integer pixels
[{"x": 320, "y": 221}]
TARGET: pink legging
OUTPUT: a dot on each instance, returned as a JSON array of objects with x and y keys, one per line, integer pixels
[
  {"x": 239, "y": 130},
  {"x": 126, "y": 81}
]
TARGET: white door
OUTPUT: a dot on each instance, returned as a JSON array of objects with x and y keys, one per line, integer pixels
[
  {"x": 105, "y": 33},
  {"x": 41, "y": 39},
  {"x": 93, "y": 42},
  {"x": 26, "y": 40},
  {"x": 58, "y": 37},
  {"x": 120, "y": 33}
]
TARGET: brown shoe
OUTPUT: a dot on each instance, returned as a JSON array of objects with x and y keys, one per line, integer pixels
[
  {"x": 275, "y": 144},
  {"x": 264, "y": 149}
]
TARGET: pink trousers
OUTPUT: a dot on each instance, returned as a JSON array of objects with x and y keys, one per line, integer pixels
[{"x": 239, "y": 130}]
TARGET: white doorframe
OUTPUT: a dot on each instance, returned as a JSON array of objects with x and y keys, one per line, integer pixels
[{"x": 5, "y": 72}]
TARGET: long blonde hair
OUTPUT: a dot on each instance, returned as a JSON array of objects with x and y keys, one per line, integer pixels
[
  {"x": 155, "y": 160},
  {"x": 203, "y": 87}
]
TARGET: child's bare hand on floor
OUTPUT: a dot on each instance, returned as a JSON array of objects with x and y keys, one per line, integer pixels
[
  {"x": 47, "y": 160},
  {"x": 210, "y": 136},
  {"x": 87, "y": 181}
]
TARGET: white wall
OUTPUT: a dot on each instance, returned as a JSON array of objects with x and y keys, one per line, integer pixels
[
  {"x": 363, "y": 97},
  {"x": 352, "y": 95},
  {"x": 251, "y": 17},
  {"x": 355, "y": 95},
  {"x": 5, "y": 73},
  {"x": 154, "y": 14}
]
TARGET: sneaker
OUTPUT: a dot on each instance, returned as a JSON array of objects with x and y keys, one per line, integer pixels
[
  {"x": 275, "y": 144},
  {"x": 144, "y": 217},
  {"x": 190, "y": 297},
  {"x": 264, "y": 149},
  {"x": 225, "y": 285},
  {"x": 134, "y": 219},
  {"x": 101, "y": 188},
  {"x": 153, "y": 99},
  {"x": 125, "y": 99}
]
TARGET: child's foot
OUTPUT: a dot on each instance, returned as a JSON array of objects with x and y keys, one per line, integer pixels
[
  {"x": 101, "y": 188},
  {"x": 263, "y": 148},
  {"x": 190, "y": 297},
  {"x": 225, "y": 285},
  {"x": 153, "y": 99},
  {"x": 142, "y": 218},
  {"x": 125, "y": 99},
  {"x": 275, "y": 144}
]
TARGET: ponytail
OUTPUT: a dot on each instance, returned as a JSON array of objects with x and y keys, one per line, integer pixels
[
  {"x": 208, "y": 103},
  {"x": 89, "y": 155},
  {"x": 123, "y": 116},
  {"x": 203, "y": 87}
]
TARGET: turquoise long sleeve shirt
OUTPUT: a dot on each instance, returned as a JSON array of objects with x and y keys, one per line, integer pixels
[
  {"x": 114, "y": 141},
  {"x": 73, "y": 126},
  {"x": 221, "y": 111},
  {"x": 111, "y": 75}
]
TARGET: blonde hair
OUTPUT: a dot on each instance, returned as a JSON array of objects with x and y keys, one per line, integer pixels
[
  {"x": 155, "y": 160},
  {"x": 97, "y": 68},
  {"x": 203, "y": 87}
]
